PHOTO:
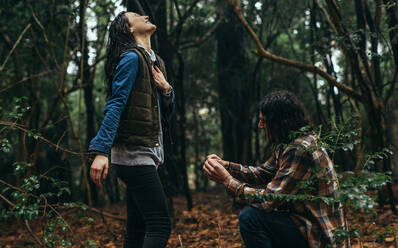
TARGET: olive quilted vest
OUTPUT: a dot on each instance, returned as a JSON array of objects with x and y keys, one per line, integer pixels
[{"x": 139, "y": 122}]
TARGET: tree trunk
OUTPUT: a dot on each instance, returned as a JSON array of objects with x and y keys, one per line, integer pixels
[
  {"x": 233, "y": 88},
  {"x": 84, "y": 76}
]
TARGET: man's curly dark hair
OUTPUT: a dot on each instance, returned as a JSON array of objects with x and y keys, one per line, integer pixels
[{"x": 283, "y": 113}]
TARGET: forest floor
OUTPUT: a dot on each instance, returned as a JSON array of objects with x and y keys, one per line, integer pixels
[{"x": 213, "y": 222}]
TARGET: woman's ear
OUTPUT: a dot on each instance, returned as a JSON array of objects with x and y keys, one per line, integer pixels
[{"x": 129, "y": 27}]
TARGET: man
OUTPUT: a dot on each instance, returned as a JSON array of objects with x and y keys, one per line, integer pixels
[{"x": 268, "y": 220}]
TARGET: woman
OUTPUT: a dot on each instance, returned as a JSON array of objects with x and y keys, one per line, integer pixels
[{"x": 140, "y": 102}]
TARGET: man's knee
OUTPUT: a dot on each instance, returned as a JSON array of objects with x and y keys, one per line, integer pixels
[{"x": 248, "y": 217}]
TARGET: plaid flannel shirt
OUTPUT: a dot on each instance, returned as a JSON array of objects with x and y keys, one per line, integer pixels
[{"x": 285, "y": 172}]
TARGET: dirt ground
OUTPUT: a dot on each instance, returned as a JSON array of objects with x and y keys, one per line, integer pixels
[{"x": 213, "y": 222}]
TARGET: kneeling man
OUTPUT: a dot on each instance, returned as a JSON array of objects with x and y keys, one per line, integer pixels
[{"x": 298, "y": 166}]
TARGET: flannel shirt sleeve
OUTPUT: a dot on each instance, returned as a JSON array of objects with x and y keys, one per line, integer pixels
[
  {"x": 294, "y": 167},
  {"x": 261, "y": 174}
]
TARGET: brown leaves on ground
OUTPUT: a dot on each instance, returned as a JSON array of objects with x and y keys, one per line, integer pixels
[
  {"x": 213, "y": 222},
  {"x": 378, "y": 227}
]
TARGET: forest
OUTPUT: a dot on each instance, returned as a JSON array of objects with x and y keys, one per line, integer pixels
[{"x": 339, "y": 57}]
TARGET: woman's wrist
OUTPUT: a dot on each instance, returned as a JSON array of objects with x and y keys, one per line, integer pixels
[
  {"x": 95, "y": 153},
  {"x": 167, "y": 90},
  {"x": 102, "y": 155}
]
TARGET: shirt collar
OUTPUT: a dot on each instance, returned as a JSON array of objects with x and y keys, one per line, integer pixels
[{"x": 152, "y": 54}]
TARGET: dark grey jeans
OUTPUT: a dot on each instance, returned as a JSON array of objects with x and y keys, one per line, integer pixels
[
  {"x": 260, "y": 229},
  {"x": 148, "y": 224}
]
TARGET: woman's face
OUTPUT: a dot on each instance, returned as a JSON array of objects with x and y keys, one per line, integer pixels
[{"x": 140, "y": 24}]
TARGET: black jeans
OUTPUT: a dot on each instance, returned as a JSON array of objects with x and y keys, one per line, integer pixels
[
  {"x": 148, "y": 223},
  {"x": 260, "y": 229}
]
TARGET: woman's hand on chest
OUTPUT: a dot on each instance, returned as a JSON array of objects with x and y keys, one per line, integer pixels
[{"x": 160, "y": 80}]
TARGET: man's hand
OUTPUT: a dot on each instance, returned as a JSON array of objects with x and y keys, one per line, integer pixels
[
  {"x": 219, "y": 160},
  {"x": 99, "y": 164},
  {"x": 160, "y": 81},
  {"x": 215, "y": 171}
]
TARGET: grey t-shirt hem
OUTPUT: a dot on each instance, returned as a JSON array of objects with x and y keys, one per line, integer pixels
[{"x": 141, "y": 164}]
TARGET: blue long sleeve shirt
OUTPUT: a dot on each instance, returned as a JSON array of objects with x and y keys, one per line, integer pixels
[{"x": 124, "y": 78}]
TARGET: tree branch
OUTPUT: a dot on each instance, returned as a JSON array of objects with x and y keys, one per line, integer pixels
[
  {"x": 299, "y": 65},
  {"x": 204, "y": 37},
  {"x": 15, "y": 45},
  {"x": 12, "y": 124}
]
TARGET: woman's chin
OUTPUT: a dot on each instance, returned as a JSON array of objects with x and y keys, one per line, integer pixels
[
  {"x": 153, "y": 27},
  {"x": 147, "y": 29}
]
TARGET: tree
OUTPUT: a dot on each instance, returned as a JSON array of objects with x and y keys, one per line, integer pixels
[{"x": 372, "y": 94}]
